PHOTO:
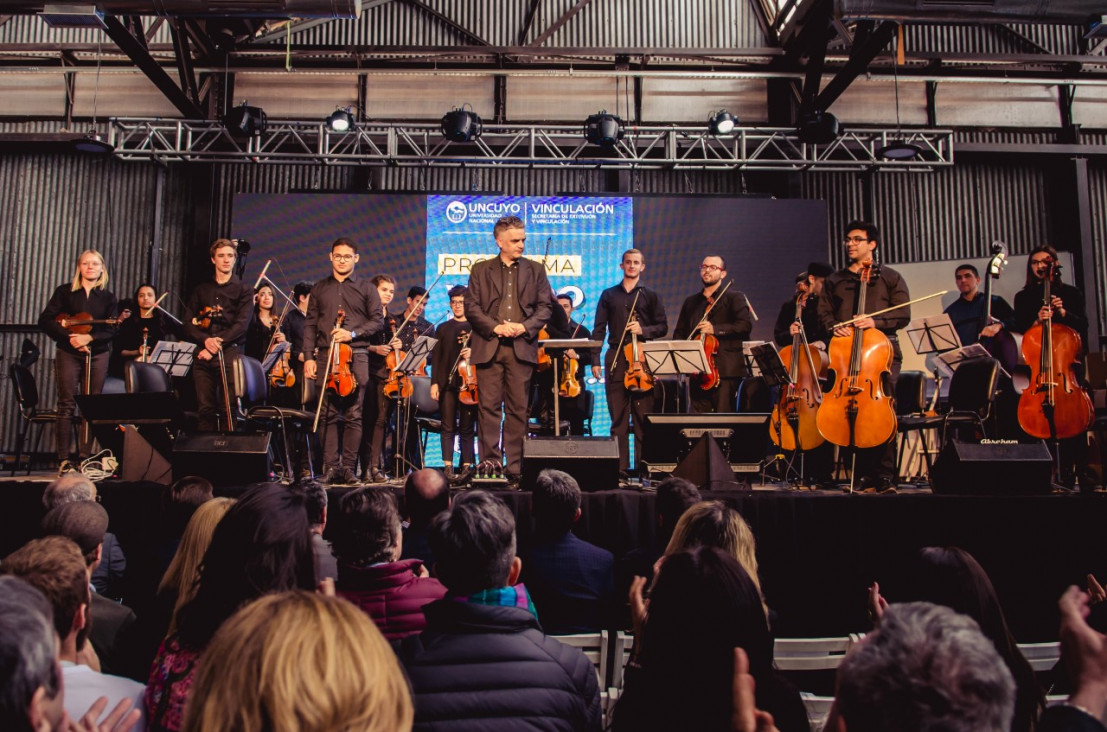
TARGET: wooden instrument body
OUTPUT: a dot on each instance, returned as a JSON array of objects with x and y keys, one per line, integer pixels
[
  {"x": 799, "y": 400},
  {"x": 710, "y": 378},
  {"x": 340, "y": 379},
  {"x": 637, "y": 378},
  {"x": 569, "y": 385},
  {"x": 466, "y": 377},
  {"x": 397, "y": 384},
  {"x": 1050, "y": 349},
  {"x": 544, "y": 359}
]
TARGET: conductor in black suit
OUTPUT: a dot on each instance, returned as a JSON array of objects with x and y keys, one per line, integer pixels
[{"x": 508, "y": 303}]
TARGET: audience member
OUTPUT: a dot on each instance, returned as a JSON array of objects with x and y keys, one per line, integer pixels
[
  {"x": 30, "y": 679},
  {"x": 571, "y": 581},
  {"x": 483, "y": 663},
  {"x": 181, "y": 501},
  {"x": 426, "y": 494},
  {"x": 72, "y": 487},
  {"x": 85, "y": 523},
  {"x": 1084, "y": 653},
  {"x": 925, "y": 667},
  {"x": 303, "y": 663},
  {"x": 315, "y": 503},
  {"x": 370, "y": 572},
  {"x": 674, "y": 497},
  {"x": 951, "y": 577},
  {"x": 54, "y": 566},
  {"x": 703, "y": 604},
  {"x": 262, "y": 545}
]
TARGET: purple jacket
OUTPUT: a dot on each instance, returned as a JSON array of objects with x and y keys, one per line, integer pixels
[{"x": 390, "y": 594}]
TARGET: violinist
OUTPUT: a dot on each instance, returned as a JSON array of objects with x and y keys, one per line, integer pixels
[
  {"x": 876, "y": 467},
  {"x": 417, "y": 325},
  {"x": 541, "y": 398},
  {"x": 82, "y": 358},
  {"x": 614, "y": 311},
  {"x": 293, "y": 327},
  {"x": 377, "y": 404},
  {"x": 507, "y": 304},
  {"x": 263, "y": 333},
  {"x": 809, "y": 287},
  {"x": 729, "y": 322},
  {"x": 226, "y": 331},
  {"x": 363, "y": 318},
  {"x": 147, "y": 324},
  {"x": 452, "y": 349},
  {"x": 573, "y": 409}
]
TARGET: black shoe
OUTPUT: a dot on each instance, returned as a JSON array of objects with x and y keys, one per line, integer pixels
[
  {"x": 376, "y": 476},
  {"x": 349, "y": 477},
  {"x": 332, "y": 476},
  {"x": 448, "y": 471}
]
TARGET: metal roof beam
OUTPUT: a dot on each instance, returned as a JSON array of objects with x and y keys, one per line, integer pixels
[
  {"x": 141, "y": 57},
  {"x": 448, "y": 22},
  {"x": 559, "y": 23},
  {"x": 863, "y": 52}
]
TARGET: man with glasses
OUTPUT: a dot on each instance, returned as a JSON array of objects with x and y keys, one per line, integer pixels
[
  {"x": 875, "y": 467},
  {"x": 729, "y": 322},
  {"x": 358, "y": 300}
]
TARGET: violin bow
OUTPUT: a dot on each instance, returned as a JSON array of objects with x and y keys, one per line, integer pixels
[
  {"x": 888, "y": 310},
  {"x": 630, "y": 319},
  {"x": 714, "y": 301}
]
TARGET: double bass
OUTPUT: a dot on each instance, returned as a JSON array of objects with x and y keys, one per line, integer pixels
[
  {"x": 799, "y": 401},
  {"x": 1054, "y": 406},
  {"x": 1002, "y": 345},
  {"x": 856, "y": 412}
]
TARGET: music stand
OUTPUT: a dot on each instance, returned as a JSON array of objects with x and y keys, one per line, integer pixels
[
  {"x": 271, "y": 359},
  {"x": 175, "y": 357},
  {"x": 564, "y": 344},
  {"x": 419, "y": 352},
  {"x": 768, "y": 362},
  {"x": 747, "y": 353},
  {"x": 933, "y": 334},
  {"x": 950, "y": 361},
  {"x": 674, "y": 357}
]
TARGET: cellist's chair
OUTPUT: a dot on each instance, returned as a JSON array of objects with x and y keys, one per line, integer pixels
[
  {"x": 146, "y": 378},
  {"x": 971, "y": 394},
  {"x": 912, "y": 418},
  {"x": 26, "y": 395},
  {"x": 252, "y": 389}
]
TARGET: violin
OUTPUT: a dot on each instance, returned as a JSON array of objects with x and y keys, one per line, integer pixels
[
  {"x": 1054, "y": 406},
  {"x": 856, "y": 412},
  {"x": 709, "y": 379},
  {"x": 466, "y": 376},
  {"x": 398, "y": 384},
  {"x": 203, "y": 319},
  {"x": 544, "y": 360},
  {"x": 800, "y": 398},
  {"x": 340, "y": 378},
  {"x": 83, "y": 322},
  {"x": 637, "y": 378},
  {"x": 281, "y": 375},
  {"x": 569, "y": 385}
]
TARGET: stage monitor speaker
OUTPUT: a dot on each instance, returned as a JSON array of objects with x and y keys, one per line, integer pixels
[
  {"x": 993, "y": 469},
  {"x": 593, "y": 461},
  {"x": 224, "y": 459},
  {"x": 142, "y": 462}
]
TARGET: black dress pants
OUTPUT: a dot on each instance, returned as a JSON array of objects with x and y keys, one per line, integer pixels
[
  {"x": 70, "y": 372},
  {"x": 503, "y": 385},
  {"x": 340, "y": 450}
]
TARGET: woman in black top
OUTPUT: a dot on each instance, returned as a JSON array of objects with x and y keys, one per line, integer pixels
[
  {"x": 262, "y": 328},
  {"x": 146, "y": 325}
]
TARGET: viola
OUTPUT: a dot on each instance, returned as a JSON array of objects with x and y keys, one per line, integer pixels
[
  {"x": 799, "y": 401},
  {"x": 856, "y": 412},
  {"x": 637, "y": 378},
  {"x": 466, "y": 377},
  {"x": 569, "y": 385},
  {"x": 341, "y": 379},
  {"x": 281, "y": 375},
  {"x": 1054, "y": 406},
  {"x": 544, "y": 360}
]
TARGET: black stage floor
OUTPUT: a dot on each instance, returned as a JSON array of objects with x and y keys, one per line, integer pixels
[{"x": 818, "y": 550}]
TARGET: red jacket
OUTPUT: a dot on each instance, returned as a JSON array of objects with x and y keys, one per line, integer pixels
[{"x": 390, "y": 594}]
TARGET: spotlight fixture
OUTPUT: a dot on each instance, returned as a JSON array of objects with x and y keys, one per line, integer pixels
[
  {"x": 245, "y": 121},
  {"x": 341, "y": 120},
  {"x": 93, "y": 144},
  {"x": 899, "y": 150},
  {"x": 603, "y": 129},
  {"x": 721, "y": 123},
  {"x": 817, "y": 128},
  {"x": 461, "y": 124}
]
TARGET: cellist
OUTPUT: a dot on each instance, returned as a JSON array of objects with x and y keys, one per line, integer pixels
[
  {"x": 729, "y": 322},
  {"x": 809, "y": 287},
  {"x": 458, "y": 418},
  {"x": 876, "y": 466}
]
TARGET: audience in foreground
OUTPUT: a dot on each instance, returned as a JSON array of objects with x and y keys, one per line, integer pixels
[
  {"x": 107, "y": 578},
  {"x": 315, "y": 503},
  {"x": 426, "y": 494},
  {"x": 302, "y": 663},
  {"x": 483, "y": 663}
]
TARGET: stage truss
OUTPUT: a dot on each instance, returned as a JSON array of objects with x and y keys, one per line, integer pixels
[{"x": 523, "y": 146}]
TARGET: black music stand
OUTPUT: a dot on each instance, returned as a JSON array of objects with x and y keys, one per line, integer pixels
[
  {"x": 137, "y": 427},
  {"x": 773, "y": 371},
  {"x": 175, "y": 357},
  {"x": 564, "y": 344},
  {"x": 415, "y": 356},
  {"x": 683, "y": 358}
]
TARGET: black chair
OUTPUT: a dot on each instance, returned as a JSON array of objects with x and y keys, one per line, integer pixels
[
  {"x": 971, "y": 394},
  {"x": 146, "y": 378},
  {"x": 911, "y": 416},
  {"x": 26, "y": 395},
  {"x": 252, "y": 388},
  {"x": 427, "y": 416}
]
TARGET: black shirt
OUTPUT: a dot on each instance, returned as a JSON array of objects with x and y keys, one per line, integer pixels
[
  {"x": 99, "y": 303},
  {"x": 812, "y": 326},
  {"x": 237, "y": 301},
  {"x": 731, "y": 319},
  {"x": 1028, "y": 301},
  {"x": 293, "y": 328},
  {"x": 509, "y": 303},
  {"x": 968, "y": 316},
  {"x": 839, "y": 301},
  {"x": 358, "y": 299},
  {"x": 446, "y": 352},
  {"x": 613, "y": 310},
  {"x": 259, "y": 336}
]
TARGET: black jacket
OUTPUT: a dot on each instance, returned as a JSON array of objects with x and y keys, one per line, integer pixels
[
  {"x": 482, "y": 304},
  {"x": 100, "y": 304},
  {"x": 478, "y": 667},
  {"x": 731, "y": 318}
]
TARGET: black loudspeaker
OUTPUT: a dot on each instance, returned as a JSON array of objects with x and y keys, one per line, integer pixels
[
  {"x": 593, "y": 461},
  {"x": 142, "y": 462},
  {"x": 224, "y": 459},
  {"x": 992, "y": 469}
]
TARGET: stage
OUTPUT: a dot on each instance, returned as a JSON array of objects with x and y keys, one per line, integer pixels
[{"x": 818, "y": 550}]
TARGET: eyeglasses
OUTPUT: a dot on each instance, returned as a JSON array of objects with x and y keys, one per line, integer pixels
[
  {"x": 343, "y": 257},
  {"x": 855, "y": 239},
  {"x": 1048, "y": 260},
  {"x": 710, "y": 268}
]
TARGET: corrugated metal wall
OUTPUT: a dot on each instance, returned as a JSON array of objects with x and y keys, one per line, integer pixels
[
  {"x": 54, "y": 207},
  {"x": 1097, "y": 188}
]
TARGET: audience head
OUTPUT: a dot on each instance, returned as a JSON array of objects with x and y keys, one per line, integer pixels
[
  {"x": 555, "y": 503},
  {"x": 69, "y": 488},
  {"x": 674, "y": 497},
  {"x": 84, "y": 522},
  {"x": 315, "y": 503},
  {"x": 30, "y": 679},
  {"x": 303, "y": 663},
  {"x": 426, "y": 494},
  {"x": 262, "y": 545},
  {"x": 925, "y": 667},
  {"x": 180, "y": 578},
  {"x": 54, "y": 566},
  {"x": 368, "y": 530},
  {"x": 474, "y": 544},
  {"x": 191, "y": 491}
]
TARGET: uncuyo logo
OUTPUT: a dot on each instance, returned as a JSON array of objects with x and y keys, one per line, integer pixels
[{"x": 456, "y": 212}]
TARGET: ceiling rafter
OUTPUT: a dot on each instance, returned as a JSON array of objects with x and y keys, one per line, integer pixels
[
  {"x": 448, "y": 22},
  {"x": 559, "y": 23},
  {"x": 138, "y": 53}
]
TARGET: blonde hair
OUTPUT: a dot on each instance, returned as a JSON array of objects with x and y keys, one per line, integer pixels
[
  {"x": 713, "y": 523},
  {"x": 184, "y": 570},
  {"x": 100, "y": 283},
  {"x": 302, "y": 662}
]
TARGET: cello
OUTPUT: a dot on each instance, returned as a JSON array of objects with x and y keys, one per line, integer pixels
[
  {"x": 856, "y": 412},
  {"x": 800, "y": 399},
  {"x": 1055, "y": 406}
]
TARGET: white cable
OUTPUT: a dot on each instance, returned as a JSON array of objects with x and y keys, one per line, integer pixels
[{"x": 99, "y": 466}]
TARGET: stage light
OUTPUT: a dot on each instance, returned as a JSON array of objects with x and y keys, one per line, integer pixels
[
  {"x": 461, "y": 124},
  {"x": 341, "y": 120},
  {"x": 899, "y": 150},
  {"x": 721, "y": 123},
  {"x": 817, "y": 128},
  {"x": 603, "y": 129},
  {"x": 93, "y": 144},
  {"x": 245, "y": 121}
]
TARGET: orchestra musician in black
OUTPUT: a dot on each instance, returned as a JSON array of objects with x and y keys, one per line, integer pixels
[
  {"x": 225, "y": 304},
  {"x": 138, "y": 334},
  {"x": 729, "y": 322},
  {"x": 809, "y": 286},
  {"x": 361, "y": 319},
  {"x": 82, "y": 357},
  {"x": 458, "y": 419},
  {"x": 574, "y": 409},
  {"x": 263, "y": 333},
  {"x": 377, "y": 404}
]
